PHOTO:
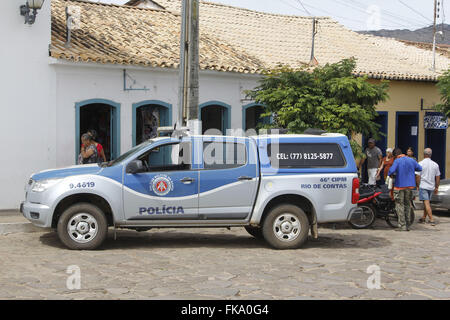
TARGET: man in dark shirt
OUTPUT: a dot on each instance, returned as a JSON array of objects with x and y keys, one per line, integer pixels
[{"x": 404, "y": 169}]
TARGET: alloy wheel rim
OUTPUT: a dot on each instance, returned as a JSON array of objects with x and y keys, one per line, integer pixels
[
  {"x": 286, "y": 227},
  {"x": 82, "y": 227}
]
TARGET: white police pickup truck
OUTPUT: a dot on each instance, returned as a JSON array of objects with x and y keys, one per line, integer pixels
[{"x": 276, "y": 186}]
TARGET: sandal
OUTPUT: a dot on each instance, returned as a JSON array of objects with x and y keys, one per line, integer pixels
[
  {"x": 433, "y": 223},
  {"x": 422, "y": 220}
]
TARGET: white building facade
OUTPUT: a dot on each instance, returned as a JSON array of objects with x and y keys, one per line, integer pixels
[
  {"x": 44, "y": 100},
  {"x": 117, "y": 73}
]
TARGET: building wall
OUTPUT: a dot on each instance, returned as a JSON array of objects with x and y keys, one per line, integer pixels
[
  {"x": 406, "y": 96},
  {"x": 39, "y": 95},
  {"x": 76, "y": 83},
  {"x": 27, "y": 131}
]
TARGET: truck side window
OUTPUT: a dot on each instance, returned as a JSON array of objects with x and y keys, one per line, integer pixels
[
  {"x": 305, "y": 155},
  {"x": 223, "y": 155},
  {"x": 168, "y": 157}
]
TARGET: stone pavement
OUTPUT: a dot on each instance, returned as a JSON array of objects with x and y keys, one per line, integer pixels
[{"x": 224, "y": 264}]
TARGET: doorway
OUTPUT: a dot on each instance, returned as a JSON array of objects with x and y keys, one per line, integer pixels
[
  {"x": 407, "y": 131},
  {"x": 436, "y": 140},
  {"x": 252, "y": 117},
  {"x": 103, "y": 117},
  {"x": 214, "y": 116},
  {"x": 382, "y": 121}
]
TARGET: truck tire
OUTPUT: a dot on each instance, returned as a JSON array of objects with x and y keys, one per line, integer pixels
[
  {"x": 255, "y": 232},
  {"x": 286, "y": 227},
  {"x": 82, "y": 226}
]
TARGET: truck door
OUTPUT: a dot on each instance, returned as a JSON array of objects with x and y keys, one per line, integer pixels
[
  {"x": 168, "y": 189},
  {"x": 228, "y": 178}
]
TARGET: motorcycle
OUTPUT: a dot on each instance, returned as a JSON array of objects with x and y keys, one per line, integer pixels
[{"x": 376, "y": 202}]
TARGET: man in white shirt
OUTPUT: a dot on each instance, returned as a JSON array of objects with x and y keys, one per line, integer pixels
[{"x": 429, "y": 183}]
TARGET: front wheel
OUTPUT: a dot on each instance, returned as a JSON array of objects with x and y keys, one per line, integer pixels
[
  {"x": 286, "y": 227},
  {"x": 82, "y": 226},
  {"x": 363, "y": 219}
]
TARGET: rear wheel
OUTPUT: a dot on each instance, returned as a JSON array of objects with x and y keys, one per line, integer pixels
[
  {"x": 82, "y": 226},
  {"x": 392, "y": 218},
  {"x": 363, "y": 219},
  {"x": 255, "y": 232},
  {"x": 286, "y": 227}
]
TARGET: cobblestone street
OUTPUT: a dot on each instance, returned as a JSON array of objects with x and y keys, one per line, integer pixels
[{"x": 224, "y": 264}]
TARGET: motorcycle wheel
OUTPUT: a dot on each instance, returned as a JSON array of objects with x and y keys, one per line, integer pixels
[
  {"x": 364, "y": 219},
  {"x": 392, "y": 219}
]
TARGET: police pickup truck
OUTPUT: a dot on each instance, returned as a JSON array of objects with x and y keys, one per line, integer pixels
[{"x": 279, "y": 187}]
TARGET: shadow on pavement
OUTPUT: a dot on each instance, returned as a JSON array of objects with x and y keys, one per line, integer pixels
[{"x": 180, "y": 239}]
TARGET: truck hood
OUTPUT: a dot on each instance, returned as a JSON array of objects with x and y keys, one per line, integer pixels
[{"x": 66, "y": 172}]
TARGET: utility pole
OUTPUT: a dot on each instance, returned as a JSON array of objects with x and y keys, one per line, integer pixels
[
  {"x": 189, "y": 64},
  {"x": 434, "y": 35},
  {"x": 313, "y": 61}
]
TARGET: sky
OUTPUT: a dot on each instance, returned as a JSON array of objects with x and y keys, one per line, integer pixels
[{"x": 354, "y": 14}]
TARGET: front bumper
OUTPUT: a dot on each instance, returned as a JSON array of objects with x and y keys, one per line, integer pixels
[{"x": 38, "y": 214}]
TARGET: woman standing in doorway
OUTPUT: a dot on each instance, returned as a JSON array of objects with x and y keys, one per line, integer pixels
[
  {"x": 88, "y": 152},
  {"x": 100, "y": 150},
  {"x": 410, "y": 153}
]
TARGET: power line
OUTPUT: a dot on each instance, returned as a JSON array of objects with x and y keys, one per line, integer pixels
[
  {"x": 364, "y": 11},
  {"x": 334, "y": 15},
  {"x": 389, "y": 13},
  {"x": 296, "y": 8},
  {"x": 303, "y": 6},
  {"x": 414, "y": 10}
]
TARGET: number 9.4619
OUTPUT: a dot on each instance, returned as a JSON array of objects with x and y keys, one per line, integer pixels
[{"x": 82, "y": 185}]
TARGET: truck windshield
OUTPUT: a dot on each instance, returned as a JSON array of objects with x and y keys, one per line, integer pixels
[{"x": 127, "y": 154}]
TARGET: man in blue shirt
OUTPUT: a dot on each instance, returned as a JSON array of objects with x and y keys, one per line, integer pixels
[{"x": 404, "y": 169}]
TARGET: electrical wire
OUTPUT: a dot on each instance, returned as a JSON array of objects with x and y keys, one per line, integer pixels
[
  {"x": 389, "y": 13},
  {"x": 304, "y": 10},
  {"x": 414, "y": 10},
  {"x": 303, "y": 6},
  {"x": 296, "y": 8},
  {"x": 389, "y": 19}
]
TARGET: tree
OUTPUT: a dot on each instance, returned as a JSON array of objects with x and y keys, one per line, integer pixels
[
  {"x": 329, "y": 97},
  {"x": 444, "y": 88}
]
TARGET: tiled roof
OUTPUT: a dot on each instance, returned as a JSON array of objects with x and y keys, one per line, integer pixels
[
  {"x": 232, "y": 39},
  {"x": 132, "y": 36}
]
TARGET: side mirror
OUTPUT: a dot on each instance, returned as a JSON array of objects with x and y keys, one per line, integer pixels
[{"x": 135, "y": 166}]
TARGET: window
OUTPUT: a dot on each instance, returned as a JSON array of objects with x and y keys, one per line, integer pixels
[
  {"x": 223, "y": 155},
  {"x": 168, "y": 157},
  {"x": 305, "y": 155}
]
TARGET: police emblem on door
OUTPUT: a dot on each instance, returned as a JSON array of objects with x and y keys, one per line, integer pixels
[{"x": 161, "y": 185}]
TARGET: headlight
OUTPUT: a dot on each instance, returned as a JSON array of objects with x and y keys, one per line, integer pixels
[
  {"x": 42, "y": 185},
  {"x": 444, "y": 188}
]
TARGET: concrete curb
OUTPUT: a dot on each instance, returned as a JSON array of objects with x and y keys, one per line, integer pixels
[{"x": 17, "y": 227}]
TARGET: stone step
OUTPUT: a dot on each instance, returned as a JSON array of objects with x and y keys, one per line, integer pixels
[{"x": 12, "y": 221}]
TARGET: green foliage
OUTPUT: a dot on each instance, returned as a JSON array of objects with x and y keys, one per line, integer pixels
[
  {"x": 328, "y": 97},
  {"x": 444, "y": 88}
]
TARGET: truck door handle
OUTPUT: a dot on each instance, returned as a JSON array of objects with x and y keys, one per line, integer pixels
[
  {"x": 241, "y": 178},
  {"x": 187, "y": 180}
]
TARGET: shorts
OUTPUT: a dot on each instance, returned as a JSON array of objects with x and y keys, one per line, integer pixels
[{"x": 425, "y": 194}]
